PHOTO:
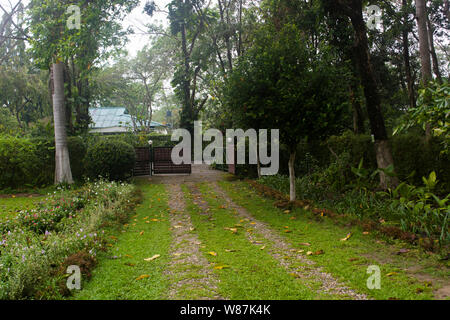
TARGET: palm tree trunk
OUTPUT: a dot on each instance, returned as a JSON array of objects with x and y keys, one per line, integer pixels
[{"x": 63, "y": 174}]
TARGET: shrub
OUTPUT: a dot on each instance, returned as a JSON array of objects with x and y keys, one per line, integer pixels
[
  {"x": 45, "y": 152},
  {"x": 77, "y": 152},
  {"x": 110, "y": 159},
  {"x": 411, "y": 154},
  {"x": 18, "y": 162}
]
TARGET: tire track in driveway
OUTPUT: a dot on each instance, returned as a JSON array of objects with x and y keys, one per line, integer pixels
[{"x": 190, "y": 273}]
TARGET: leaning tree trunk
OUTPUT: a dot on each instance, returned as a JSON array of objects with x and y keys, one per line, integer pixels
[
  {"x": 373, "y": 102},
  {"x": 63, "y": 173},
  {"x": 292, "y": 194}
]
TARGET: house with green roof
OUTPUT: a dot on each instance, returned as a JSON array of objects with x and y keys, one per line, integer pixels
[{"x": 114, "y": 120}]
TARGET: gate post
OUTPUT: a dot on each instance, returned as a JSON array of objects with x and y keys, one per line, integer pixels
[{"x": 231, "y": 157}]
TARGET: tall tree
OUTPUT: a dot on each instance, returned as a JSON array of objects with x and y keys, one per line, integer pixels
[
  {"x": 188, "y": 19},
  {"x": 353, "y": 9},
  {"x": 406, "y": 29},
  {"x": 54, "y": 41},
  {"x": 63, "y": 174},
  {"x": 424, "y": 44},
  {"x": 277, "y": 84}
]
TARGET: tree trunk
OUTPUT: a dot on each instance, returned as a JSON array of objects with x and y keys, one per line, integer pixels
[
  {"x": 424, "y": 50},
  {"x": 373, "y": 103},
  {"x": 424, "y": 46},
  {"x": 358, "y": 117},
  {"x": 292, "y": 194},
  {"x": 63, "y": 173},
  {"x": 406, "y": 58},
  {"x": 186, "y": 120},
  {"x": 434, "y": 58},
  {"x": 258, "y": 166}
]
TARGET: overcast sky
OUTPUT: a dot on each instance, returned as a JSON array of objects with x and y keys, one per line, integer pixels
[{"x": 137, "y": 19}]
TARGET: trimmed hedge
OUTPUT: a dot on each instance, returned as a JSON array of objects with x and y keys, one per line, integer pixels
[
  {"x": 110, "y": 159},
  {"x": 18, "y": 162},
  {"x": 30, "y": 162},
  {"x": 411, "y": 154}
]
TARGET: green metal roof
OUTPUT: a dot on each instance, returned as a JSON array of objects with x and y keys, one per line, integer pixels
[{"x": 109, "y": 117}]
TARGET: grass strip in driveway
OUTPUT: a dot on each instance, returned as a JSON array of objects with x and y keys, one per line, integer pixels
[
  {"x": 122, "y": 273},
  {"x": 347, "y": 260},
  {"x": 245, "y": 271}
]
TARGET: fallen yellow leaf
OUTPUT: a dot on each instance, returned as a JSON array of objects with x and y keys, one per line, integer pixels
[
  {"x": 305, "y": 244},
  {"x": 391, "y": 274},
  {"x": 141, "y": 233},
  {"x": 347, "y": 237},
  {"x": 144, "y": 276},
  {"x": 156, "y": 256},
  {"x": 213, "y": 253},
  {"x": 220, "y": 267}
]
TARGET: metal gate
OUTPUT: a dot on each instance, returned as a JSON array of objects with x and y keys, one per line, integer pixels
[
  {"x": 142, "y": 165},
  {"x": 162, "y": 162}
]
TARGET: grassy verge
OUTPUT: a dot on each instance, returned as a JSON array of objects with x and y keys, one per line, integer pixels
[
  {"x": 347, "y": 260},
  {"x": 122, "y": 272},
  {"x": 245, "y": 271},
  {"x": 9, "y": 207}
]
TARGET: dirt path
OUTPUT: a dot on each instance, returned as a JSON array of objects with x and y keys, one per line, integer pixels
[
  {"x": 189, "y": 272},
  {"x": 279, "y": 250}
]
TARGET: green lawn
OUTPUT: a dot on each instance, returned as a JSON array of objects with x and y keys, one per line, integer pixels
[
  {"x": 122, "y": 272},
  {"x": 245, "y": 271},
  {"x": 9, "y": 207},
  {"x": 346, "y": 260}
]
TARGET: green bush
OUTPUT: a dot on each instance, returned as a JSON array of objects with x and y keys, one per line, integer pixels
[
  {"x": 411, "y": 153},
  {"x": 357, "y": 146},
  {"x": 45, "y": 152},
  {"x": 18, "y": 162},
  {"x": 110, "y": 159},
  {"x": 77, "y": 152}
]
